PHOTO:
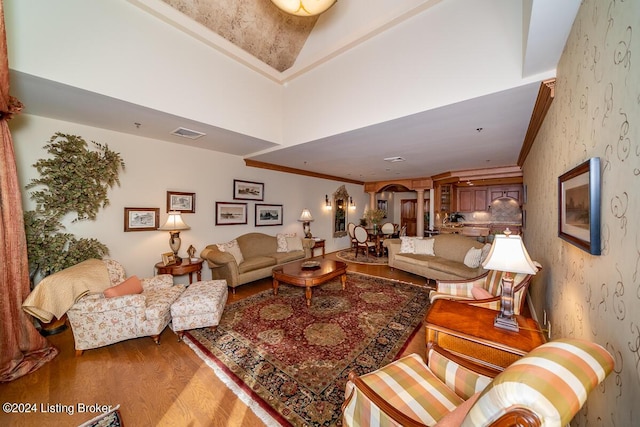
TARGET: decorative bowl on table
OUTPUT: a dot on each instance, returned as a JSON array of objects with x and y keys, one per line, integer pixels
[{"x": 309, "y": 265}]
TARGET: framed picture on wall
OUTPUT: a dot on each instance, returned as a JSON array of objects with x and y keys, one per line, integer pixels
[
  {"x": 181, "y": 202},
  {"x": 141, "y": 219},
  {"x": 382, "y": 204},
  {"x": 247, "y": 190},
  {"x": 579, "y": 206},
  {"x": 231, "y": 213},
  {"x": 268, "y": 215}
]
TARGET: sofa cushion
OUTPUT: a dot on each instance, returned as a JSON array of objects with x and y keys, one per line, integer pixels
[
  {"x": 407, "y": 245},
  {"x": 452, "y": 267},
  {"x": 417, "y": 259},
  {"x": 255, "y": 263},
  {"x": 233, "y": 248},
  {"x": 454, "y": 246},
  {"x": 281, "y": 241},
  {"x": 131, "y": 286},
  {"x": 287, "y": 256},
  {"x": 257, "y": 244},
  {"x": 294, "y": 244},
  {"x": 472, "y": 258},
  {"x": 423, "y": 246}
]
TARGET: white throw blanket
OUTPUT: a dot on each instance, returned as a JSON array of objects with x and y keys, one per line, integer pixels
[{"x": 56, "y": 293}]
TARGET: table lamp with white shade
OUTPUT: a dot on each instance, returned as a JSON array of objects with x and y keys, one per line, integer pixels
[
  {"x": 305, "y": 219},
  {"x": 174, "y": 225},
  {"x": 509, "y": 255}
]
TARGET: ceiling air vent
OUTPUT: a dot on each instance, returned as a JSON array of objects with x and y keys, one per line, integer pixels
[
  {"x": 394, "y": 159},
  {"x": 187, "y": 133}
]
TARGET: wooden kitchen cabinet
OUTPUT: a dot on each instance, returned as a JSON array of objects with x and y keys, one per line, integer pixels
[
  {"x": 513, "y": 191},
  {"x": 445, "y": 198},
  {"x": 472, "y": 199}
]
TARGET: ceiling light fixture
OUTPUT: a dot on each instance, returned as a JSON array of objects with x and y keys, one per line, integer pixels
[
  {"x": 304, "y": 7},
  {"x": 394, "y": 159}
]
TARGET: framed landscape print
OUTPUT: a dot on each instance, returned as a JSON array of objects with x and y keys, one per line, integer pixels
[
  {"x": 141, "y": 219},
  {"x": 268, "y": 215},
  {"x": 231, "y": 213},
  {"x": 247, "y": 190},
  {"x": 181, "y": 202},
  {"x": 579, "y": 206}
]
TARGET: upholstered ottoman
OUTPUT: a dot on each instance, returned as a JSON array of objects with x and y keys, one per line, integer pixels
[{"x": 200, "y": 306}]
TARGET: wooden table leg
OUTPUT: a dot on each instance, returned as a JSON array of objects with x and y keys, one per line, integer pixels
[
  {"x": 307, "y": 294},
  {"x": 343, "y": 279},
  {"x": 199, "y": 275},
  {"x": 275, "y": 286}
]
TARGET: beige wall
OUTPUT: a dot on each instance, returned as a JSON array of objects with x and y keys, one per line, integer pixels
[
  {"x": 595, "y": 113},
  {"x": 154, "y": 167}
]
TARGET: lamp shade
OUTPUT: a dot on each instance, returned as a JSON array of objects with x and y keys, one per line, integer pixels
[
  {"x": 174, "y": 223},
  {"x": 509, "y": 254},
  {"x": 304, "y": 7},
  {"x": 305, "y": 216}
]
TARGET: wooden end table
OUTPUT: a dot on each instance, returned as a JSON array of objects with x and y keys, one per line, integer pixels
[
  {"x": 468, "y": 331},
  {"x": 294, "y": 274},
  {"x": 185, "y": 266},
  {"x": 317, "y": 244}
]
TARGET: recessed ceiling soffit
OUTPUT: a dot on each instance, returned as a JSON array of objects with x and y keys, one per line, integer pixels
[{"x": 256, "y": 26}]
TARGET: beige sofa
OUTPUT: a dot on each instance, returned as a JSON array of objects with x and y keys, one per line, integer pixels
[
  {"x": 447, "y": 263},
  {"x": 259, "y": 256}
]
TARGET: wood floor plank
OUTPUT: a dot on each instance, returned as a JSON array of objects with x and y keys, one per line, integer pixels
[{"x": 155, "y": 385}]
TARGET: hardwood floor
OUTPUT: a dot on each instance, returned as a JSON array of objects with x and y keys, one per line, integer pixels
[{"x": 164, "y": 385}]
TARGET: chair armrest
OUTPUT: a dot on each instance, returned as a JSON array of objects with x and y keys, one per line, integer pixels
[
  {"x": 387, "y": 409},
  {"x": 462, "y": 362},
  {"x": 434, "y": 295},
  {"x": 99, "y": 304},
  {"x": 215, "y": 257},
  {"x": 161, "y": 281}
]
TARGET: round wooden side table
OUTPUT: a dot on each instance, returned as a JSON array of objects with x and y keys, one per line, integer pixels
[{"x": 185, "y": 266}]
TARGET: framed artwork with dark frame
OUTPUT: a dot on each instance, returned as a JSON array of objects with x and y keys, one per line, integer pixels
[
  {"x": 141, "y": 219},
  {"x": 247, "y": 190},
  {"x": 579, "y": 206},
  {"x": 268, "y": 215},
  {"x": 181, "y": 202},
  {"x": 231, "y": 213}
]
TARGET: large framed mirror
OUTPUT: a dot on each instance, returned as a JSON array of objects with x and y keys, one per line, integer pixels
[{"x": 340, "y": 212}]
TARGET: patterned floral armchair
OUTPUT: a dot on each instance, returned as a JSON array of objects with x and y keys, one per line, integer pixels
[
  {"x": 483, "y": 291},
  {"x": 547, "y": 387},
  {"x": 97, "y": 321}
]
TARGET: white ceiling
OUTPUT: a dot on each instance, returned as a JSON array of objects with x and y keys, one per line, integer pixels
[{"x": 433, "y": 141}]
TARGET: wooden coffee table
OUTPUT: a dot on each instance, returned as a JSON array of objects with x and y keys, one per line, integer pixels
[{"x": 294, "y": 274}]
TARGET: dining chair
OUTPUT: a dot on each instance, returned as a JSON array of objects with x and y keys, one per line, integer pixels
[
  {"x": 350, "y": 229},
  {"x": 362, "y": 239}
]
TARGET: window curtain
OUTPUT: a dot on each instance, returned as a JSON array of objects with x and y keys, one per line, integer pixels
[{"x": 22, "y": 348}]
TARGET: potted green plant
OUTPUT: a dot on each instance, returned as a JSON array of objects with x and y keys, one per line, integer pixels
[
  {"x": 74, "y": 180},
  {"x": 375, "y": 216}
]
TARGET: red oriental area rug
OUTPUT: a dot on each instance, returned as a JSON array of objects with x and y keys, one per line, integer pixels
[{"x": 293, "y": 360}]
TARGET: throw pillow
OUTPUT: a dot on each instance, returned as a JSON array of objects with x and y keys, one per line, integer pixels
[
  {"x": 485, "y": 252},
  {"x": 131, "y": 286},
  {"x": 480, "y": 293},
  {"x": 294, "y": 244},
  {"x": 407, "y": 245},
  {"x": 424, "y": 246},
  {"x": 281, "y": 238},
  {"x": 233, "y": 248},
  {"x": 472, "y": 258}
]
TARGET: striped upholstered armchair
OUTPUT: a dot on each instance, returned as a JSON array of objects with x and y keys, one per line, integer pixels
[
  {"x": 546, "y": 387},
  {"x": 483, "y": 291}
]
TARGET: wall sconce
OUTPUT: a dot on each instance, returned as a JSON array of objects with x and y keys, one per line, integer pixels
[
  {"x": 327, "y": 202},
  {"x": 351, "y": 204},
  {"x": 174, "y": 225},
  {"x": 305, "y": 219}
]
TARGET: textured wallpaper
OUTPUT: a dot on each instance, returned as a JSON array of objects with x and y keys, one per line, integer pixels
[{"x": 595, "y": 113}]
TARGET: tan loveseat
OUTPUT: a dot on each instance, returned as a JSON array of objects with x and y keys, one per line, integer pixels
[
  {"x": 447, "y": 263},
  {"x": 259, "y": 254}
]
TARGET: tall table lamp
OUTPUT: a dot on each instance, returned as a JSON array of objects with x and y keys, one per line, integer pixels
[
  {"x": 174, "y": 225},
  {"x": 305, "y": 219},
  {"x": 508, "y": 254}
]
